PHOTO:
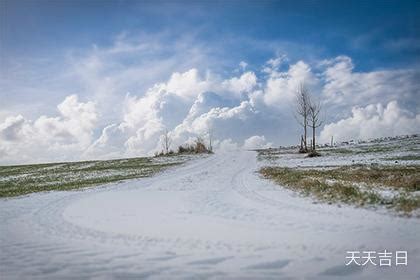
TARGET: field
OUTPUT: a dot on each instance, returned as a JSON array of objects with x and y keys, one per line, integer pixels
[
  {"x": 382, "y": 173},
  {"x": 24, "y": 179},
  {"x": 214, "y": 217}
]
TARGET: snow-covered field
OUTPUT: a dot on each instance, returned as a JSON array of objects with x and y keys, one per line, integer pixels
[
  {"x": 397, "y": 151},
  {"x": 24, "y": 179},
  {"x": 383, "y": 173},
  {"x": 213, "y": 218}
]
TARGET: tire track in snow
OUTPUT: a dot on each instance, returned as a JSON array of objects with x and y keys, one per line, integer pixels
[{"x": 211, "y": 218}]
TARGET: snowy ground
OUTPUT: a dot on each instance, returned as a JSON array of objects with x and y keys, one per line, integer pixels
[
  {"x": 24, "y": 179},
  {"x": 211, "y": 218},
  {"x": 387, "y": 152},
  {"x": 385, "y": 169}
]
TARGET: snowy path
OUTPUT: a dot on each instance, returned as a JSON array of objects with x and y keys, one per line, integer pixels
[{"x": 212, "y": 218}]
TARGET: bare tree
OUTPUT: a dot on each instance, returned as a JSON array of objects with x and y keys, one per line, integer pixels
[
  {"x": 167, "y": 140},
  {"x": 210, "y": 134},
  {"x": 314, "y": 119},
  {"x": 302, "y": 111}
]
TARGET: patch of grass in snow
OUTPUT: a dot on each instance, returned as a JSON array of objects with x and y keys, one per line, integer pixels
[
  {"x": 24, "y": 179},
  {"x": 360, "y": 149},
  {"x": 406, "y": 157},
  {"x": 376, "y": 149},
  {"x": 338, "y": 150},
  {"x": 340, "y": 184}
]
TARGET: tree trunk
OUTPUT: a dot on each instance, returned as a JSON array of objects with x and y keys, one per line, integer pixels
[
  {"x": 301, "y": 142},
  {"x": 313, "y": 137},
  {"x": 304, "y": 139}
]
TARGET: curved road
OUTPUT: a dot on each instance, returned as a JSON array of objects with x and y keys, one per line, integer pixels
[{"x": 213, "y": 218}]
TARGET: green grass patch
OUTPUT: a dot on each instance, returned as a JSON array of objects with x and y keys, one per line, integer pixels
[
  {"x": 338, "y": 184},
  {"x": 338, "y": 150},
  {"x": 24, "y": 179},
  {"x": 360, "y": 149},
  {"x": 406, "y": 157}
]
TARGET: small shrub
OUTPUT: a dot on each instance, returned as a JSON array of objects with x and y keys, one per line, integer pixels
[
  {"x": 186, "y": 149},
  {"x": 302, "y": 151},
  {"x": 313, "y": 154},
  {"x": 198, "y": 147}
]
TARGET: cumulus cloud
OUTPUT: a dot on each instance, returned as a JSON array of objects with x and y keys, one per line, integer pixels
[
  {"x": 280, "y": 88},
  {"x": 163, "y": 107},
  {"x": 110, "y": 143},
  {"x": 187, "y": 84},
  {"x": 63, "y": 137},
  {"x": 373, "y": 121},
  {"x": 344, "y": 87},
  {"x": 187, "y": 107},
  {"x": 244, "y": 84},
  {"x": 226, "y": 145},
  {"x": 256, "y": 142},
  {"x": 247, "y": 109},
  {"x": 11, "y": 128}
]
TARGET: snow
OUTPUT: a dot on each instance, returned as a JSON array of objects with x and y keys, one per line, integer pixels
[
  {"x": 211, "y": 218},
  {"x": 377, "y": 152}
]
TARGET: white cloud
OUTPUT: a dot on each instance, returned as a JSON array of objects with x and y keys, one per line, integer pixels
[
  {"x": 344, "y": 87},
  {"x": 250, "y": 108},
  {"x": 186, "y": 107},
  {"x": 373, "y": 121},
  {"x": 243, "y": 65},
  {"x": 145, "y": 118},
  {"x": 223, "y": 120},
  {"x": 63, "y": 137},
  {"x": 11, "y": 128},
  {"x": 244, "y": 84},
  {"x": 131, "y": 63},
  {"x": 110, "y": 143},
  {"x": 256, "y": 142},
  {"x": 280, "y": 88},
  {"x": 188, "y": 84},
  {"x": 273, "y": 64},
  {"x": 226, "y": 145}
]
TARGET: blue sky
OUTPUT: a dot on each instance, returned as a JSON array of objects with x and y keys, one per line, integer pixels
[
  {"x": 374, "y": 33},
  {"x": 191, "y": 65}
]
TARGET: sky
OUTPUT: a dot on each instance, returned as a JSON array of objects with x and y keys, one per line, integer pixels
[{"x": 104, "y": 79}]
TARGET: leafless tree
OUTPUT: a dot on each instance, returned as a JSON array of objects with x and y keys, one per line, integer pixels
[
  {"x": 210, "y": 135},
  {"x": 302, "y": 110},
  {"x": 167, "y": 140},
  {"x": 315, "y": 120}
]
